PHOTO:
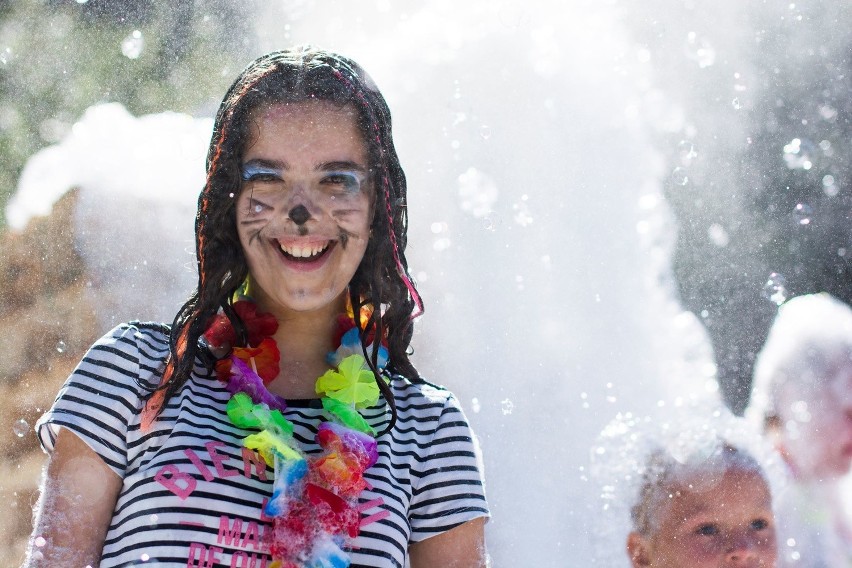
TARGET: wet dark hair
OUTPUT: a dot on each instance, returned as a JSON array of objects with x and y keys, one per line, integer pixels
[{"x": 381, "y": 280}]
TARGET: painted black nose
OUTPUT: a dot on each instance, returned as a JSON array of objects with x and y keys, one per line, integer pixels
[{"x": 299, "y": 214}]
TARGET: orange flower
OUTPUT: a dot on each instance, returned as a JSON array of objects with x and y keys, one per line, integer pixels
[{"x": 263, "y": 359}]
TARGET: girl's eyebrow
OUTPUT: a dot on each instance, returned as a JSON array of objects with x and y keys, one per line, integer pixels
[
  {"x": 267, "y": 164},
  {"x": 281, "y": 166},
  {"x": 341, "y": 165}
]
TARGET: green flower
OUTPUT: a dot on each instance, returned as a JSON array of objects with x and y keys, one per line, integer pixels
[{"x": 353, "y": 383}]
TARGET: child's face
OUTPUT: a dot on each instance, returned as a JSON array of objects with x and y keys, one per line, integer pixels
[
  {"x": 816, "y": 428},
  {"x": 726, "y": 526}
]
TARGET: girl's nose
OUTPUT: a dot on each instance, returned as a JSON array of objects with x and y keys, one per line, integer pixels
[{"x": 299, "y": 214}]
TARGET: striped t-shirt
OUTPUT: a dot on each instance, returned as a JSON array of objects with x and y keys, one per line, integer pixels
[{"x": 192, "y": 495}]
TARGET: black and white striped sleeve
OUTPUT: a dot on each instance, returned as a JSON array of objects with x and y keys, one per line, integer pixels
[
  {"x": 99, "y": 399},
  {"x": 447, "y": 488}
]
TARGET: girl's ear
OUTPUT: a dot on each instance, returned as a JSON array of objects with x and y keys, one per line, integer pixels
[{"x": 639, "y": 550}]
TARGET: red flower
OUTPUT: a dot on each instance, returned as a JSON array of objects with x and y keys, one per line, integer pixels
[
  {"x": 220, "y": 333},
  {"x": 262, "y": 359},
  {"x": 258, "y": 325}
]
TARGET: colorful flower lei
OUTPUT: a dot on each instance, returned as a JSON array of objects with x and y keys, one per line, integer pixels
[{"x": 314, "y": 502}]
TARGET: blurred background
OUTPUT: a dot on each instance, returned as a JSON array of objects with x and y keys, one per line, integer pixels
[{"x": 608, "y": 201}]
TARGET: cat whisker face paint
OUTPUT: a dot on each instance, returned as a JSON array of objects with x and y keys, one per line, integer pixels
[{"x": 305, "y": 208}]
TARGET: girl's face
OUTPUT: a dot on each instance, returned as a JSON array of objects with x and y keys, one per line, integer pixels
[
  {"x": 816, "y": 427},
  {"x": 305, "y": 206},
  {"x": 726, "y": 526}
]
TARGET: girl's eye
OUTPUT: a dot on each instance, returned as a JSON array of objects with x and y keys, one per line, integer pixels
[
  {"x": 759, "y": 524},
  {"x": 259, "y": 176},
  {"x": 253, "y": 172},
  {"x": 707, "y": 530},
  {"x": 342, "y": 181}
]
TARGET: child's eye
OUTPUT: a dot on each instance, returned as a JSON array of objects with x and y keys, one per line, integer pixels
[
  {"x": 343, "y": 181},
  {"x": 759, "y": 524},
  {"x": 253, "y": 172},
  {"x": 707, "y": 529},
  {"x": 260, "y": 176}
]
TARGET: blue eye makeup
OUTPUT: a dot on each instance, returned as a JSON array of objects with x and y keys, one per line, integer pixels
[
  {"x": 348, "y": 182},
  {"x": 257, "y": 172}
]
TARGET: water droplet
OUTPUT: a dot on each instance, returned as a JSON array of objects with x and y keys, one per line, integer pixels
[
  {"x": 39, "y": 541},
  {"x": 474, "y": 405},
  {"x": 485, "y": 132},
  {"x": 798, "y": 154},
  {"x": 490, "y": 222},
  {"x": 791, "y": 542},
  {"x": 829, "y": 186},
  {"x": 523, "y": 217},
  {"x": 680, "y": 176},
  {"x": 508, "y": 406},
  {"x": 718, "y": 235},
  {"x": 700, "y": 50},
  {"x": 477, "y": 192},
  {"x": 803, "y": 213},
  {"x": 153, "y": 519},
  {"x": 20, "y": 428},
  {"x": 687, "y": 151},
  {"x": 736, "y": 103},
  {"x": 61, "y": 347},
  {"x": 133, "y": 44},
  {"x": 442, "y": 244},
  {"x": 775, "y": 289},
  {"x": 231, "y": 195}
]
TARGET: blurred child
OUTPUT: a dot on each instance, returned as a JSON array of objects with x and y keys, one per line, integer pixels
[
  {"x": 802, "y": 397},
  {"x": 707, "y": 509}
]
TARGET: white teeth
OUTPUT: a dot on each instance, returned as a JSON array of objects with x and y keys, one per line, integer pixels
[{"x": 299, "y": 251}]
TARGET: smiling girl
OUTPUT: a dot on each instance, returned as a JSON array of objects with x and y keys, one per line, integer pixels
[{"x": 278, "y": 422}]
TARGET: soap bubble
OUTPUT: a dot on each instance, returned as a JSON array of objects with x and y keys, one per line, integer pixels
[
  {"x": 687, "y": 151},
  {"x": 490, "y": 222},
  {"x": 680, "y": 176},
  {"x": 20, "y": 428},
  {"x": 700, "y": 50},
  {"x": 474, "y": 405},
  {"x": 736, "y": 103},
  {"x": 508, "y": 406},
  {"x": 803, "y": 213},
  {"x": 60, "y": 347},
  {"x": 775, "y": 289},
  {"x": 133, "y": 44},
  {"x": 485, "y": 132},
  {"x": 39, "y": 541}
]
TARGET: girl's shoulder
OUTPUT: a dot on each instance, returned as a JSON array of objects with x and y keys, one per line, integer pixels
[{"x": 419, "y": 391}]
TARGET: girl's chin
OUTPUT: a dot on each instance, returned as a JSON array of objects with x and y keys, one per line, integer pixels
[{"x": 306, "y": 301}]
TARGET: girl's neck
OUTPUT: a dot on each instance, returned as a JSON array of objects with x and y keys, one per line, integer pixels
[{"x": 304, "y": 340}]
